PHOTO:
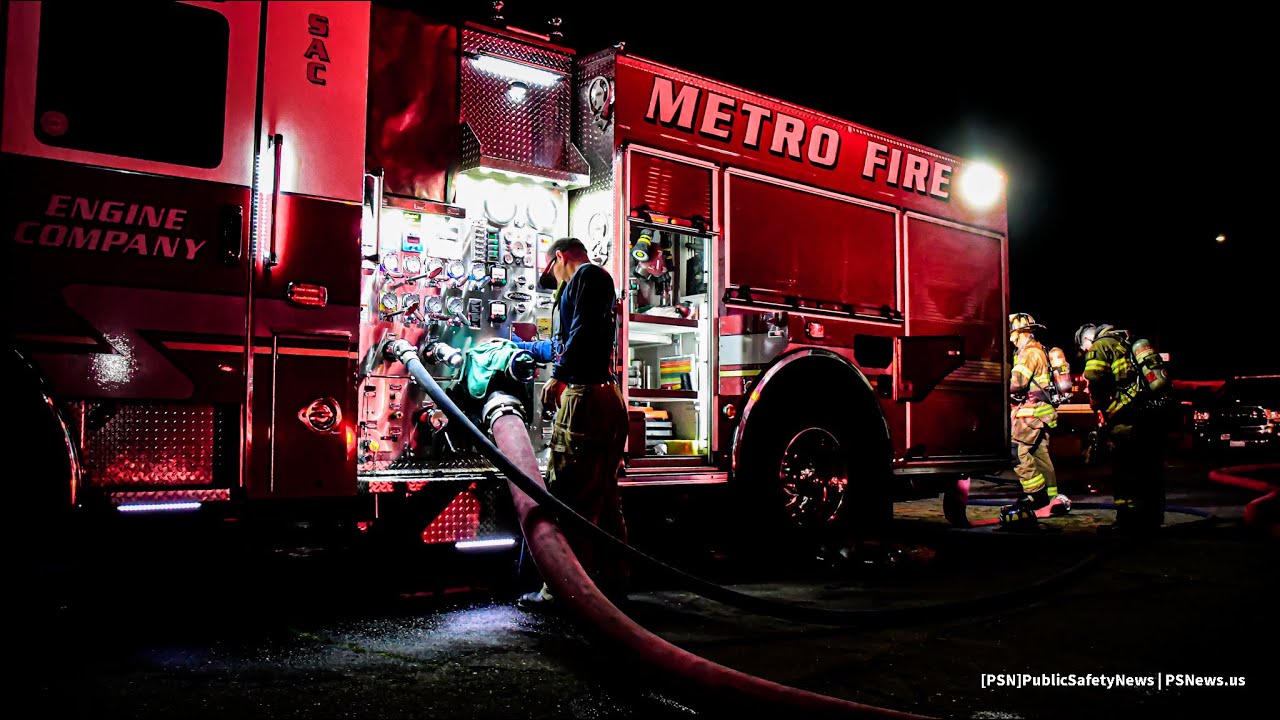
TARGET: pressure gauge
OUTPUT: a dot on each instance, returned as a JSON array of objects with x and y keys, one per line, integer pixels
[
  {"x": 478, "y": 272},
  {"x": 435, "y": 266},
  {"x": 435, "y": 304},
  {"x": 412, "y": 265},
  {"x": 457, "y": 270},
  {"x": 389, "y": 302},
  {"x": 455, "y": 305},
  {"x": 391, "y": 264}
]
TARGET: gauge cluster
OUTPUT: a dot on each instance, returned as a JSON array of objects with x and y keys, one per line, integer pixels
[{"x": 451, "y": 276}]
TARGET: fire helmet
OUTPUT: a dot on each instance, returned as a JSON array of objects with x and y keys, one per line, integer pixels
[
  {"x": 1086, "y": 332},
  {"x": 1022, "y": 322}
]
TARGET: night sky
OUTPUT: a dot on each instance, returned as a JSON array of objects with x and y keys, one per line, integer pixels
[{"x": 1129, "y": 144}]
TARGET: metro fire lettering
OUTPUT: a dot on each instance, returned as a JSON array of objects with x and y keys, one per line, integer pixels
[
  {"x": 78, "y": 237},
  {"x": 921, "y": 174},
  {"x": 664, "y": 104},
  {"x": 714, "y": 117},
  {"x": 824, "y": 147},
  {"x": 755, "y": 117}
]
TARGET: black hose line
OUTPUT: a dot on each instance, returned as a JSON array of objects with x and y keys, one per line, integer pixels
[{"x": 406, "y": 354}]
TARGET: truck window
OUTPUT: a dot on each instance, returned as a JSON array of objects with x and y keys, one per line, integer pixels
[{"x": 145, "y": 81}]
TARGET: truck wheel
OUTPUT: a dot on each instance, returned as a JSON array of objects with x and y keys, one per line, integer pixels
[{"x": 812, "y": 475}]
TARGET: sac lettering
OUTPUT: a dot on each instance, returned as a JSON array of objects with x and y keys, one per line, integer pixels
[{"x": 317, "y": 54}]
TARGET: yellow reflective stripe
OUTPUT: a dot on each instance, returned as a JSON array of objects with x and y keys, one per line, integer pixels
[
  {"x": 1121, "y": 400},
  {"x": 1120, "y": 364},
  {"x": 1043, "y": 379},
  {"x": 1035, "y": 484},
  {"x": 1095, "y": 365},
  {"x": 1042, "y": 410},
  {"x": 1022, "y": 370}
]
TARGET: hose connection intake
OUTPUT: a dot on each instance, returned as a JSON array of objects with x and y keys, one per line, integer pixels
[
  {"x": 442, "y": 353},
  {"x": 500, "y": 404}
]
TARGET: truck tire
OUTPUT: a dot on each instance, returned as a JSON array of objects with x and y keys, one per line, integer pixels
[
  {"x": 45, "y": 459},
  {"x": 955, "y": 503},
  {"x": 814, "y": 471}
]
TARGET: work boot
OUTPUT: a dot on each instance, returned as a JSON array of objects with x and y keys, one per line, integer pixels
[
  {"x": 1037, "y": 499},
  {"x": 1061, "y": 505}
]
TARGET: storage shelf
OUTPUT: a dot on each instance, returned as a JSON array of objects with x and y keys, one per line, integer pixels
[
  {"x": 645, "y": 394},
  {"x": 668, "y": 323}
]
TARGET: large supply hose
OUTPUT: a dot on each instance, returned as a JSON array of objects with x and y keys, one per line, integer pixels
[
  {"x": 570, "y": 585},
  {"x": 1263, "y": 512}
]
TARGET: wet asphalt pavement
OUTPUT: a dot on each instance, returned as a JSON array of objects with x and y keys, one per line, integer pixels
[{"x": 211, "y": 622}]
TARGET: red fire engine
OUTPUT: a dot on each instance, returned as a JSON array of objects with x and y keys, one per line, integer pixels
[{"x": 219, "y": 221}]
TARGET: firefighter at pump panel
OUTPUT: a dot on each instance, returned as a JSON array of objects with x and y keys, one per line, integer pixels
[
  {"x": 1034, "y": 396},
  {"x": 1130, "y": 397},
  {"x": 590, "y": 427}
]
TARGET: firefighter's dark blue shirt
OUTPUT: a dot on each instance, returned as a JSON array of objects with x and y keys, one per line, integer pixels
[{"x": 582, "y": 344}]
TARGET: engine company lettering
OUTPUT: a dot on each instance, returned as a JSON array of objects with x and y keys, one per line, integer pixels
[
  {"x": 720, "y": 117},
  {"x": 69, "y": 219}
]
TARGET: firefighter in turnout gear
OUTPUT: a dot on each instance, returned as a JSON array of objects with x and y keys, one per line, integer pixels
[
  {"x": 1033, "y": 416},
  {"x": 1132, "y": 421}
]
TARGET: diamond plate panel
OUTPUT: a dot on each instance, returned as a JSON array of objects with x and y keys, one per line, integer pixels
[
  {"x": 593, "y": 133},
  {"x": 487, "y": 495},
  {"x": 426, "y": 468},
  {"x": 128, "y": 444},
  {"x": 534, "y": 131},
  {"x": 475, "y": 41},
  {"x": 593, "y": 122},
  {"x": 460, "y": 520},
  {"x": 162, "y": 496}
]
